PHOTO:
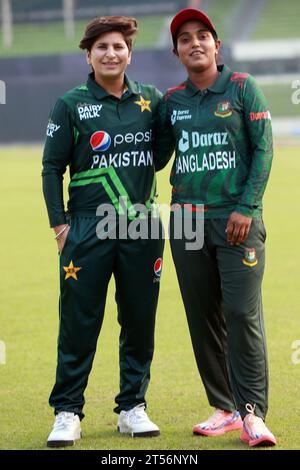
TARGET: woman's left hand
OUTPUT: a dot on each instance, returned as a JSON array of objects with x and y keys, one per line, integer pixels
[{"x": 238, "y": 227}]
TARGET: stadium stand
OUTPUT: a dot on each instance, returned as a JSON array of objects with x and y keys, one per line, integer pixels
[{"x": 278, "y": 19}]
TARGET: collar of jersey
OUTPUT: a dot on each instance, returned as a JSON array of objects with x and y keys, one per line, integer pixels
[
  {"x": 219, "y": 86},
  {"x": 100, "y": 93}
]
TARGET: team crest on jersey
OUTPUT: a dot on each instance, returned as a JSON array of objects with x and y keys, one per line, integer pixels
[
  {"x": 224, "y": 109},
  {"x": 100, "y": 141},
  {"x": 144, "y": 104},
  {"x": 157, "y": 269},
  {"x": 88, "y": 111},
  {"x": 250, "y": 258}
]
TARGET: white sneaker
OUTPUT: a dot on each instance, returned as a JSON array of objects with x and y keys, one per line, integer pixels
[
  {"x": 66, "y": 430},
  {"x": 137, "y": 423}
]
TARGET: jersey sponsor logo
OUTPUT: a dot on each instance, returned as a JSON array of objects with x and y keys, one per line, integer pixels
[
  {"x": 131, "y": 138},
  {"x": 260, "y": 116},
  {"x": 221, "y": 160},
  {"x": 117, "y": 160},
  {"x": 180, "y": 115},
  {"x": 157, "y": 269},
  {"x": 224, "y": 109},
  {"x": 196, "y": 139},
  {"x": 100, "y": 140},
  {"x": 88, "y": 111},
  {"x": 51, "y": 128},
  {"x": 143, "y": 104},
  {"x": 250, "y": 258},
  {"x": 184, "y": 142}
]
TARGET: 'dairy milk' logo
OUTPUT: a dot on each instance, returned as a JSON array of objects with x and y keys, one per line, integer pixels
[{"x": 100, "y": 141}]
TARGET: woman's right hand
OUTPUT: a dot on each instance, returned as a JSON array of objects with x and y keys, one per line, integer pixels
[{"x": 61, "y": 240}]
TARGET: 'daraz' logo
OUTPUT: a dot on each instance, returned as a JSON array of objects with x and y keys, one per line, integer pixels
[
  {"x": 100, "y": 140},
  {"x": 157, "y": 269},
  {"x": 184, "y": 143},
  {"x": 174, "y": 117}
]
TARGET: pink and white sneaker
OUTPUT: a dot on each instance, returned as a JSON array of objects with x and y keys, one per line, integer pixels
[
  {"x": 255, "y": 432},
  {"x": 219, "y": 423}
]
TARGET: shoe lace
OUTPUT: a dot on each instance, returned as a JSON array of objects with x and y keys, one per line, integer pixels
[
  {"x": 250, "y": 408},
  {"x": 63, "y": 420},
  {"x": 137, "y": 413},
  {"x": 255, "y": 424}
]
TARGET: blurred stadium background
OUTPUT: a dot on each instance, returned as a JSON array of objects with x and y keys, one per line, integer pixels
[{"x": 40, "y": 58}]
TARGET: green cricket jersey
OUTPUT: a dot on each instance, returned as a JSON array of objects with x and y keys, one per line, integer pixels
[
  {"x": 107, "y": 144},
  {"x": 223, "y": 144}
]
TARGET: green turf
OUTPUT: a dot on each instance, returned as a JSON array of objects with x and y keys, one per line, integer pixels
[
  {"x": 29, "y": 322},
  {"x": 49, "y": 38},
  {"x": 278, "y": 20},
  {"x": 279, "y": 98}
]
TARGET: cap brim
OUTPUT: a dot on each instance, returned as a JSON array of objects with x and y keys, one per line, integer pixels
[{"x": 190, "y": 14}]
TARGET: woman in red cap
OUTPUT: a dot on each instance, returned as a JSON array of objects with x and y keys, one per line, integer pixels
[{"x": 219, "y": 123}]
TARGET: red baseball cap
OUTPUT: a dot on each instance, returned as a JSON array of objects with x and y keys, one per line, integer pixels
[{"x": 190, "y": 14}]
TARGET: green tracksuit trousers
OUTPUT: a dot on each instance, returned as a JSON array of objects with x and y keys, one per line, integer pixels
[
  {"x": 86, "y": 266},
  {"x": 221, "y": 289}
]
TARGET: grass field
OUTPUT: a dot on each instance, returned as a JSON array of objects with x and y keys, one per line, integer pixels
[
  {"x": 176, "y": 399},
  {"x": 279, "y": 97}
]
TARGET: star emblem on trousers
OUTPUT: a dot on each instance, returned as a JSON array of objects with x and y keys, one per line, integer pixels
[{"x": 71, "y": 271}]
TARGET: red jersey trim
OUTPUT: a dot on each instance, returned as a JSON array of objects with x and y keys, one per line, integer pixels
[{"x": 172, "y": 90}]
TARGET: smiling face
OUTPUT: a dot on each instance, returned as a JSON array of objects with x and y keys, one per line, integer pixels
[
  {"x": 109, "y": 56},
  {"x": 196, "y": 47}
]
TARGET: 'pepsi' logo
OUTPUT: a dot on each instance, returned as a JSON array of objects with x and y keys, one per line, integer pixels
[
  {"x": 158, "y": 267},
  {"x": 100, "y": 140}
]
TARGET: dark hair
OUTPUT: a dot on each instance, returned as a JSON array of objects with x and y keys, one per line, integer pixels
[{"x": 106, "y": 24}]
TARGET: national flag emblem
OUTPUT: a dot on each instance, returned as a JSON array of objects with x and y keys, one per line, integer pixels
[
  {"x": 100, "y": 141},
  {"x": 250, "y": 258}
]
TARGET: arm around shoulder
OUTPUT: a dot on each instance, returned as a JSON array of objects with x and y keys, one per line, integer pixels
[{"x": 164, "y": 140}]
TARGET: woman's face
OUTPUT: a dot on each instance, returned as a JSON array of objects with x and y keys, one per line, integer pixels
[
  {"x": 196, "y": 46},
  {"x": 109, "y": 56}
]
